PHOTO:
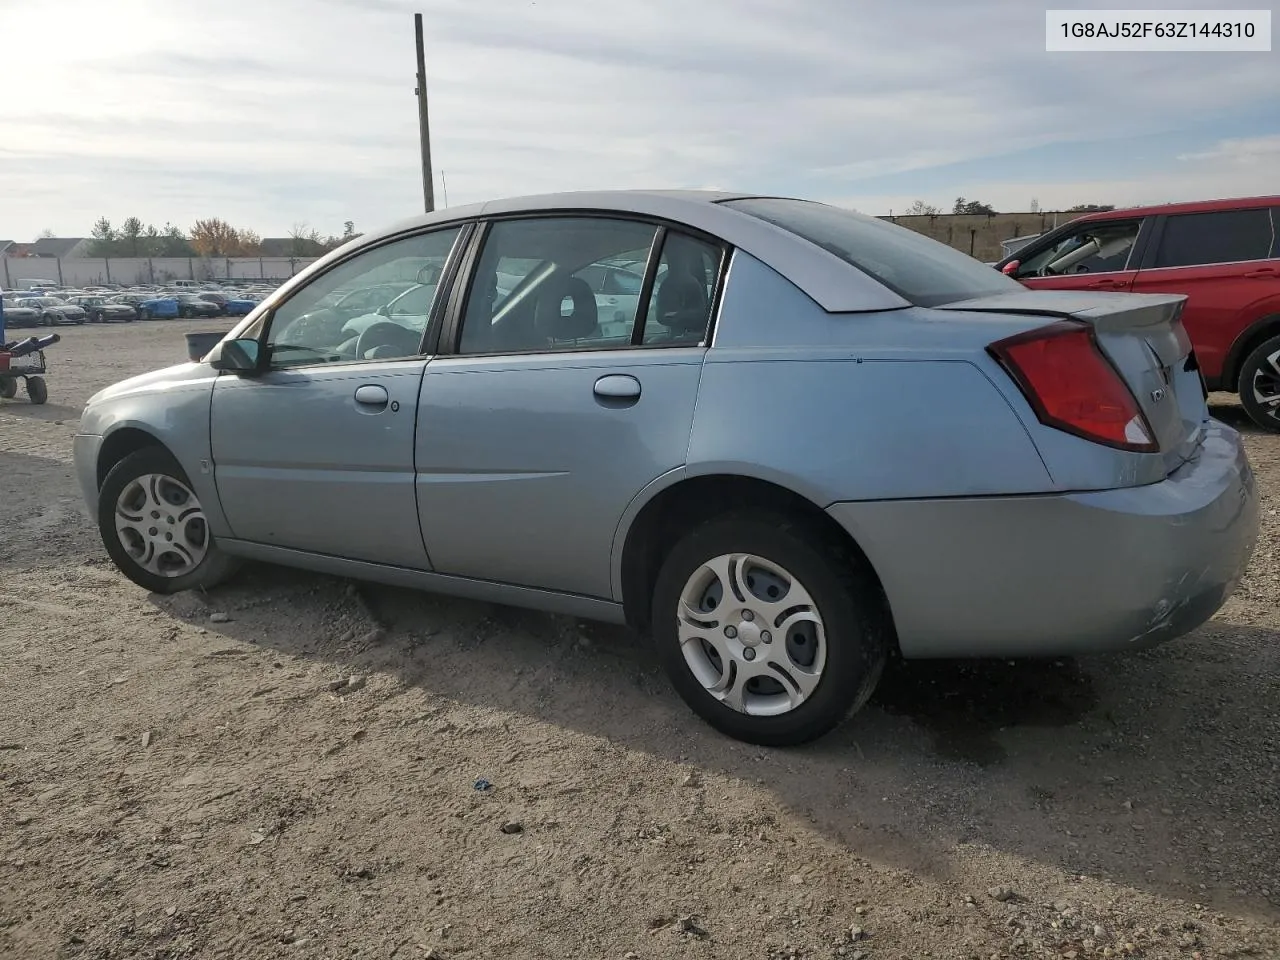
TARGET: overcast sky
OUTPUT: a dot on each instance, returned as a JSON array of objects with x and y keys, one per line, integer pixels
[{"x": 274, "y": 112}]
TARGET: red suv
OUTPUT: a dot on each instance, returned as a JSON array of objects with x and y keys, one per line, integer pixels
[{"x": 1223, "y": 255}]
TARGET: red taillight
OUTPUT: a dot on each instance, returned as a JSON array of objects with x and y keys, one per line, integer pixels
[{"x": 1072, "y": 386}]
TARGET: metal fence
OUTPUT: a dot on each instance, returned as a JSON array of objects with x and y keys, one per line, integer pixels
[{"x": 16, "y": 273}]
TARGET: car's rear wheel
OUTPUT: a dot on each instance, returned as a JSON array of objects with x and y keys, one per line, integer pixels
[
  {"x": 8, "y": 388},
  {"x": 154, "y": 527},
  {"x": 769, "y": 629},
  {"x": 144, "y": 313},
  {"x": 1260, "y": 385}
]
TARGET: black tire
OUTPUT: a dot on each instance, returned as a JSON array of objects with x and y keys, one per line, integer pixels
[
  {"x": 37, "y": 390},
  {"x": 215, "y": 567},
  {"x": 184, "y": 313},
  {"x": 144, "y": 313},
  {"x": 1257, "y": 374},
  {"x": 857, "y": 626},
  {"x": 8, "y": 388}
]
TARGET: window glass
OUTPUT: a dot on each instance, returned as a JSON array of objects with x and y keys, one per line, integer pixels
[
  {"x": 539, "y": 285},
  {"x": 1231, "y": 236},
  {"x": 387, "y": 324},
  {"x": 918, "y": 269},
  {"x": 683, "y": 291},
  {"x": 1102, "y": 247}
]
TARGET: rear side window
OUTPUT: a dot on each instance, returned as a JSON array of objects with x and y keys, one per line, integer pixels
[
  {"x": 922, "y": 271},
  {"x": 1230, "y": 236}
]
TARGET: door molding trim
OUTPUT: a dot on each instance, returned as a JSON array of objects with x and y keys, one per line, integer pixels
[{"x": 487, "y": 591}]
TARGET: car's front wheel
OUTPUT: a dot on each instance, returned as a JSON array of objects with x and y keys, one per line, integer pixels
[
  {"x": 772, "y": 631},
  {"x": 154, "y": 527},
  {"x": 1260, "y": 385}
]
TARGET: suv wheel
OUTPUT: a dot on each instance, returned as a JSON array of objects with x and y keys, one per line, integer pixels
[
  {"x": 1260, "y": 385},
  {"x": 154, "y": 527},
  {"x": 769, "y": 631}
]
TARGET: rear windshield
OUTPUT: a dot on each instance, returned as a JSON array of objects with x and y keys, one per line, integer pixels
[{"x": 922, "y": 271}]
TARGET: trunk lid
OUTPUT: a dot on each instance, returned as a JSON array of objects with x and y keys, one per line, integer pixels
[{"x": 1143, "y": 337}]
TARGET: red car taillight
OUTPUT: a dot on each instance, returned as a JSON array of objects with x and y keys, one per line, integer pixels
[{"x": 1073, "y": 387}]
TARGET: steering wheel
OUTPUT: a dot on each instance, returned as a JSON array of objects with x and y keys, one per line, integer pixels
[{"x": 387, "y": 334}]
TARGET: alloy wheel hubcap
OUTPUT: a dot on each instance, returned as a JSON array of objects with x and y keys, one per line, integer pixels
[
  {"x": 161, "y": 525},
  {"x": 1266, "y": 385},
  {"x": 751, "y": 634}
]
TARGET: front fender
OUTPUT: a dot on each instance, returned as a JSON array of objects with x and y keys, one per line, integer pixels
[{"x": 172, "y": 406}]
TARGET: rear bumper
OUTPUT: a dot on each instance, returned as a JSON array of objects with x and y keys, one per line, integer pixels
[{"x": 1065, "y": 574}]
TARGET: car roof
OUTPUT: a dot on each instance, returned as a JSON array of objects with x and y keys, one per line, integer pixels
[
  {"x": 831, "y": 282},
  {"x": 1194, "y": 206}
]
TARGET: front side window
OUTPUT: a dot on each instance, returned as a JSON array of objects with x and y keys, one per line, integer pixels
[
  {"x": 1230, "y": 236},
  {"x": 916, "y": 268},
  {"x": 308, "y": 328},
  {"x": 1102, "y": 247},
  {"x": 539, "y": 285}
]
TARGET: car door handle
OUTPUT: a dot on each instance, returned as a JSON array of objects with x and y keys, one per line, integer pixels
[
  {"x": 1104, "y": 284},
  {"x": 618, "y": 387},
  {"x": 372, "y": 395},
  {"x": 1262, "y": 273}
]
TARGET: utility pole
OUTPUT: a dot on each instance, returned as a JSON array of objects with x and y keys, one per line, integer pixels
[{"x": 428, "y": 188}]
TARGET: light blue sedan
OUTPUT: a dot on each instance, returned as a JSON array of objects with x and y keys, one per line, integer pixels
[{"x": 811, "y": 441}]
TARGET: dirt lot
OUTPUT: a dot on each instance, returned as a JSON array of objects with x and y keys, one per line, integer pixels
[{"x": 179, "y": 784}]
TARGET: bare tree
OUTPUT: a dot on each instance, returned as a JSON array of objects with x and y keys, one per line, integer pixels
[
  {"x": 305, "y": 240},
  {"x": 921, "y": 209}
]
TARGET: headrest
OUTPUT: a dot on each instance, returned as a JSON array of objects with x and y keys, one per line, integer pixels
[
  {"x": 550, "y": 317},
  {"x": 682, "y": 303}
]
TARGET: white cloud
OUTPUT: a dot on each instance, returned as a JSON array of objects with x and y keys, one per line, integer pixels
[
  {"x": 271, "y": 113},
  {"x": 1245, "y": 151}
]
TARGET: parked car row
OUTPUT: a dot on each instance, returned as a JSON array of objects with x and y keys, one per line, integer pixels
[{"x": 53, "y": 307}]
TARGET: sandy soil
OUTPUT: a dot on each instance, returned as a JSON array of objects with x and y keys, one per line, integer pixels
[{"x": 178, "y": 778}]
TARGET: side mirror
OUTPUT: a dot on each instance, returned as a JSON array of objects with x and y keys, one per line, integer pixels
[
  {"x": 384, "y": 310},
  {"x": 1010, "y": 268},
  {"x": 236, "y": 356}
]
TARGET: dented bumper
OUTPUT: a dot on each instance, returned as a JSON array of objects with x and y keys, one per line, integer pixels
[{"x": 1065, "y": 574}]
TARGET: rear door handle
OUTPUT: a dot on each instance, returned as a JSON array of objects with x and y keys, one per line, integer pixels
[
  {"x": 618, "y": 387},
  {"x": 372, "y": 395},
  {"x": 1263, "y": 272}
]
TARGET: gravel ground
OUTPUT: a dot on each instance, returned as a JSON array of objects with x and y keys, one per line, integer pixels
[{"x": 290, "y": 766}]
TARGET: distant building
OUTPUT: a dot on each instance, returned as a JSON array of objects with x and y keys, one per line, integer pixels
[
  {"x": 61, "y": 247},
  {"x": 290, "y": 247},
  {"x": 277, "y": 246}
]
